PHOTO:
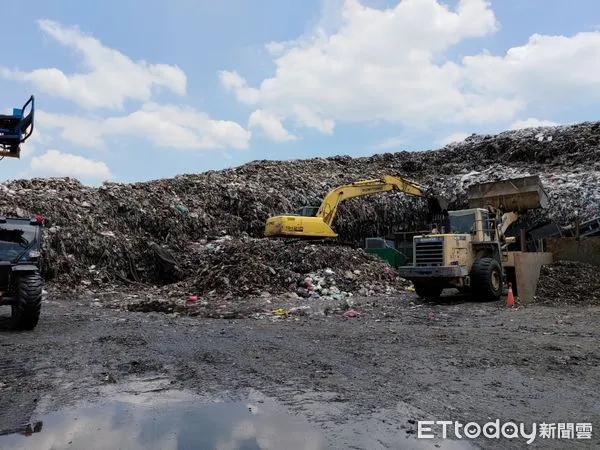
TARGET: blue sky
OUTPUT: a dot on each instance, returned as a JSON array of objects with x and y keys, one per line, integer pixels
[{"x": 353, "y": 78}]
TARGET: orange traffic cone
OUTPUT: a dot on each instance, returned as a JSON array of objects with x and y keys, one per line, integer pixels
[{"x": 510, "y": 298}]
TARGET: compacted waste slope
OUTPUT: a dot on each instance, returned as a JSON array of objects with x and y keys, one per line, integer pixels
[{"x": 161, "y": 231}]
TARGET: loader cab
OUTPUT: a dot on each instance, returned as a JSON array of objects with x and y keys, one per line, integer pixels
[
  {"x": 20, "y": 241},
  {"x": 475, "y": 222}
]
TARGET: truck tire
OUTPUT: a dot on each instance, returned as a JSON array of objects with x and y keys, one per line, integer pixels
[
  {"x": 26, "y": 311},
  {"x": 428, "y": 290},
  {"x": 486, "y": 279}
]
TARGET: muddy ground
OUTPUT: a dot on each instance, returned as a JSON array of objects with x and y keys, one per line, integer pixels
[{"x": 363, "y": 381}]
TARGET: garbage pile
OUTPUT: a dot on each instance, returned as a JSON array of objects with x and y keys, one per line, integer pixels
[
  {"x": 568, "y": 282},
  {"x": 565, "y": 158},
  {"x": 220, "y": 277},
  {"x": 249, "y": 267},
  {"x": 154, "y": 232}
]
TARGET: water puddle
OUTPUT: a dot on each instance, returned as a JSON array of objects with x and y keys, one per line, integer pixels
[
  {"x": 166, "y": 421},
  {"x": 147, "y": 414}
]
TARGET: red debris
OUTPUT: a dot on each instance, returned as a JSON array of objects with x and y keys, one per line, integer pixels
[{"x": 351, "y": 314}]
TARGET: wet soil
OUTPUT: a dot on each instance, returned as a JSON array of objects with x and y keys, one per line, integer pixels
[{"x": 363, "y": 381}]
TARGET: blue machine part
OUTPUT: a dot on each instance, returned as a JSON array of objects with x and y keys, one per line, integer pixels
[{"x": 15, "y": 129}]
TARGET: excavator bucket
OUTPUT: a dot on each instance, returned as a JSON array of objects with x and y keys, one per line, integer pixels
[
  {"x": 434, "y": 206},
  {"x": 437, "y": 205},
  {"x": 516, "y": 194}
]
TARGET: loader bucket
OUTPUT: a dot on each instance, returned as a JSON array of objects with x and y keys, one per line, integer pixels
[{"x": 516, "y": 195}]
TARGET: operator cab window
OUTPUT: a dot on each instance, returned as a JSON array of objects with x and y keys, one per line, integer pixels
[
  {"x": 15, "y": 240},
  {"x": 487, "y": 228},
  {"x": 462, "y": 222},
  {"x": 308, "y": 211}
]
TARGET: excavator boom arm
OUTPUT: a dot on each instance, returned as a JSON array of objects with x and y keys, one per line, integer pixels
[{"x": 329, "y": 206}]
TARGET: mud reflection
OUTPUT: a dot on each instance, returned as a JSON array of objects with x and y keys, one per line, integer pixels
[
  {"x": 166, "y": 426},
  {"x": 25, "y": 430}
]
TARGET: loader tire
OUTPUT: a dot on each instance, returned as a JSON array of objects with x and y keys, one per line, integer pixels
[
  {"x": 486, "y": 280},
  {"x": 424, "y": 290},
  {"x": 26, "y": 311}
]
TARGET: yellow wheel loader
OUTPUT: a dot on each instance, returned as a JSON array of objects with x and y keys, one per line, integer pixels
[
  {"x": 315, "y": 222},
  {"x": 468, "y": 251}
]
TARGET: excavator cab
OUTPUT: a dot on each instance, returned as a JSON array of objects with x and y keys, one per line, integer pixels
[
  {"x": 16, "y": 128},
  {"x": 308, "y": 211}
]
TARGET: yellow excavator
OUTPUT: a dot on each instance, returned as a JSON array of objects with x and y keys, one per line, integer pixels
[{"x": 315, "y": 222}]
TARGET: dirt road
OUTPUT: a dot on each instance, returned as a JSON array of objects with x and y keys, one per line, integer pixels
[{"x": 364, "y": 382}]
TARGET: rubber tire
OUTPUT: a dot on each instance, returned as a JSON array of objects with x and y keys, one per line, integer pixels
[
  {"x": 482, "y": 286},
  {"x": 428, "y": 290},
  {"x": 26, "y": 312}
]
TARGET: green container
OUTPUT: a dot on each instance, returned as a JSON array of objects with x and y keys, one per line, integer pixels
[{"x": 391, "y": 255}]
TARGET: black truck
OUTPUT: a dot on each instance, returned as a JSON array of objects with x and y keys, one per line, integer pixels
[{"x": 20, "y": 269}]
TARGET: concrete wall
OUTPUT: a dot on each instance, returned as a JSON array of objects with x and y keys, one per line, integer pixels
[
  {"x": 570, "y": 249},
  {"x": 527, "y": 269}
]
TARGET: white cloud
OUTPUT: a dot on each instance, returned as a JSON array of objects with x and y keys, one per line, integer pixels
[
  {"x": 455, "y": 137},
  {"x": 112, "y": 77},
  {"x": 275, "y": 48},
  {"x": 544, "y": 70},
  {"x": 54, "y": 163},
  {"x": 77, "y": 130},
  {"x": 164, "y": 125},
  {"x": 232, "y": 81},
  {"x": 532, "y": 122},
  {"x": 378, "y": 65},
  {"x": 31, "y": 145},
  {"x": 369, "y": 65},
  {"x": 307, "y": 118},
  {"x": 271, "y": 125},
  {"x": 387, "y": 144}
]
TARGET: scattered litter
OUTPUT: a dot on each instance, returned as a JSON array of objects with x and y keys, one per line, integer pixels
[{"x": 350, "y": 314}]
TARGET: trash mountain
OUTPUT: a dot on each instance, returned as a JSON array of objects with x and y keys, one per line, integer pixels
[{"x": 160, "y": 231}]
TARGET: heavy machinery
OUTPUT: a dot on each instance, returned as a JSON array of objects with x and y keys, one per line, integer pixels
[
  {"x": 20, "y": 277},
  {"x": 468, "y": 252},
  {"x": 15, "y": 129},
  {"x": 20, "y": 238},
  {"x": 316, "y": 222}
]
